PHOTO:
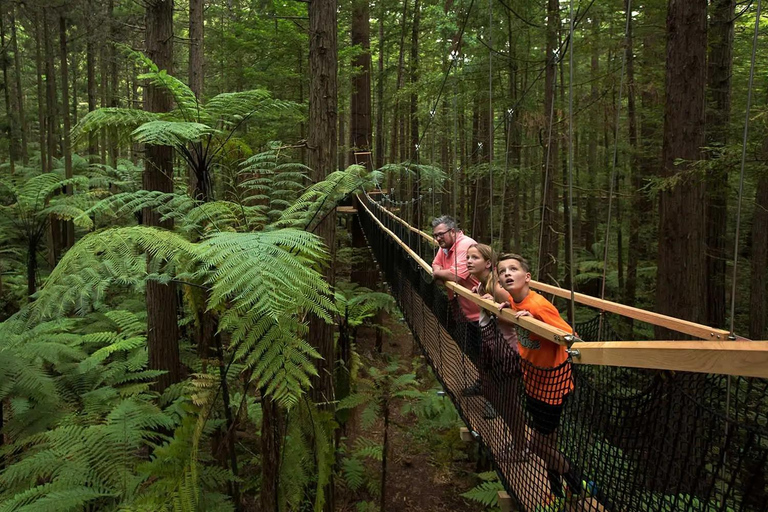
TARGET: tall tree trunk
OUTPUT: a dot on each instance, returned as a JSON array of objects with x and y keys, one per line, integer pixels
[
  {"x": 414, "y": 112},
  {"x": 323, "y": 61},
  {"x": 271, "y": 442},
  {"x": 196, "y": 77},
  {"x": 22, "y": 118},
  {"x": 397, "y": 119},
  {"x": 380, "y": 91},
  {"x": 41, "y": 114},
  {"x": 360, "y": 102},
  {"x": 590, "y": 217},
  {"x": 68, "y": 226},
  {"x": 52, "y": 110},
  {"x": 548, "y": 252},
  {"x": 90, "y": 64},
  {"x": 52, "y": 130},
  {"x": 10, "y": 111},
  {"x": 162, "y": 323},
  {"x": 681, "y": 281},
  {"x": 759, "y": 263},
  {"x": 638, "y": 195},
  {"x": 112, "y": 89},
  {"x": 718, "y": 119},
  {"x": 196, "y": 54}
]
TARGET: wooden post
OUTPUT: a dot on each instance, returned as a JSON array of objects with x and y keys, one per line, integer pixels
[
  {"x": 465, "y": 434},
  {"x": 505, "y": 501}
]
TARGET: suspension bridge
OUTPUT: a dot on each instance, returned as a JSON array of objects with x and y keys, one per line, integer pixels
[{"x": 649, "y": 425}]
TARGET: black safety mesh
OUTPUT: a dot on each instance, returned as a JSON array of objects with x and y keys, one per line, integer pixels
[{"x": 621, "y": 440}]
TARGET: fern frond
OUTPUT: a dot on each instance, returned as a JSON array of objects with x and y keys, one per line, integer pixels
[
  {"x": 125, "y": 120},
  {"x": 171, "y": 133}
]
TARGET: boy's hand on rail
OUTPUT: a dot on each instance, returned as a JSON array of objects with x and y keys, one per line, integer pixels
[
  {"x": 503, "y": 305},
  {"x": 488, "y": 296},
  {"x": 523, "y": 312}
]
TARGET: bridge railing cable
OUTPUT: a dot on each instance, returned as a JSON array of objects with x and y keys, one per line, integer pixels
[{"x": 581, "y": 436}]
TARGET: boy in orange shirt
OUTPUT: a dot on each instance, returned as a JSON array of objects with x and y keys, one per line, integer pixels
[{"x": 546, "y": 372}]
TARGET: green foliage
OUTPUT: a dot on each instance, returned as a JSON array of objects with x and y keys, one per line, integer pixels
[{"x": 486, "y": 493}]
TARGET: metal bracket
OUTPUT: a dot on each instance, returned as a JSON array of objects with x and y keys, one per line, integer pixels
[{"x": 573, "y": 352}]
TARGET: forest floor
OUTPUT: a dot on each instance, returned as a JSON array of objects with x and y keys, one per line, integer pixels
[{"x": 423, "y": 474}]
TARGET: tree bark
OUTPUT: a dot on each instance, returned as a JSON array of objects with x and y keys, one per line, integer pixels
[
  {"x": 360, "y": 102},
  {"x": 162, "y": 323},
  {"x": 759, "y": 263},
  {"x": 196, "y": 54},
  {"x": 590, "y": 216},
  {"x": 414, "y": 113},
  {"x": 681, "y": 280},
  {"x": 548, "y": 252},
  {"x": 90, "y": 64},
  {"x": 41, "y": 114},
  {"x": 271, "y": 442},
  {"x": 380, "y": 91},
  {"x": 23, "y": 126},
  {"x": 718, "y": 119},
  {"x": 638, "y": 195},
  {"x": 322, "y": 157},
  {"x": 68, "y": 230},
  {"x": 11, "y": 130},
  {"x": 397, "y": 117}
]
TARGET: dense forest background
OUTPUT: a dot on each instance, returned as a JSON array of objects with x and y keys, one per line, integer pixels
[{"x": 174, "y": 277}]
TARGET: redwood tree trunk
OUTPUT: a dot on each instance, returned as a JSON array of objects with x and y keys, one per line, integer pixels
[
  {"x": 638, "y": 200},
  {"x": 380, "y": 92},
  {"x": 323, "y": 61},
  {"x": 22, "y": 118},
  {"x": 162, "y": 324},
  {"x": 548, "y": 252},
  {"x": 681, "y": 281},
  {"x": 360, "y": 102},
  {"x": 718, "y": 118},
  {"x": 68, "y": 231},
  {"x": 90, "y": 64},
  {"x": 759, "y": 262},
  {"x": 271, "y": 441},
  {"x": 414, "y": 112}
]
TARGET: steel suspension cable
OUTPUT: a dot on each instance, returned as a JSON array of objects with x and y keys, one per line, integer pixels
[{"x": 741, "y": 173}]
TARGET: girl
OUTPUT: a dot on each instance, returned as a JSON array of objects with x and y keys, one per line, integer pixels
[{"x": 499, "y": 361}]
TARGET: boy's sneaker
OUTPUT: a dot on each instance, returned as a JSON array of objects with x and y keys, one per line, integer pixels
[
  {"x": 489, "y": 412},
  {"x": 551, "y": 504},
  {"x": 473, "y": 390}
]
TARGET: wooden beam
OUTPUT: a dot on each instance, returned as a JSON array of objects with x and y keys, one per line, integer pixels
[
  {"x": 674, "y": 324},
  {"x": 465, "y": 434},
  {"x": 546, "y": 331},
  {"x": 346, "y": 209},
  {"x": 744, "y": 358}
]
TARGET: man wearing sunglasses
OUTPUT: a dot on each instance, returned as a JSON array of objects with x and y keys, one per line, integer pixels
[{"x": 450, "y": 264}]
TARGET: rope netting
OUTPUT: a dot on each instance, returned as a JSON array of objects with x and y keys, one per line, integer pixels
[{"x": 580, "y": 437}]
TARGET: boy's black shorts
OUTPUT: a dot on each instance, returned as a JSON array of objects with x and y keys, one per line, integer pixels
[{"x": 545, "y": 417}]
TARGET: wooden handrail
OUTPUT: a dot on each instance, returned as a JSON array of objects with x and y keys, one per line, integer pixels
[
  {"x": 744, "y": 358},
  {"x": 741, "y": 357},
  {"x": 674, "y": 324},
  {"x": 531, "y": 324},
  {"x": 411, "y": 253}
]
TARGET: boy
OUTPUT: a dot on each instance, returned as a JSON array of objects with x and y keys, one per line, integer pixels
[{"x": 546, "y": 373}]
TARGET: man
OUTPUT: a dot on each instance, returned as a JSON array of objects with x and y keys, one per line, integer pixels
[{"x": 450, "y": 264}]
